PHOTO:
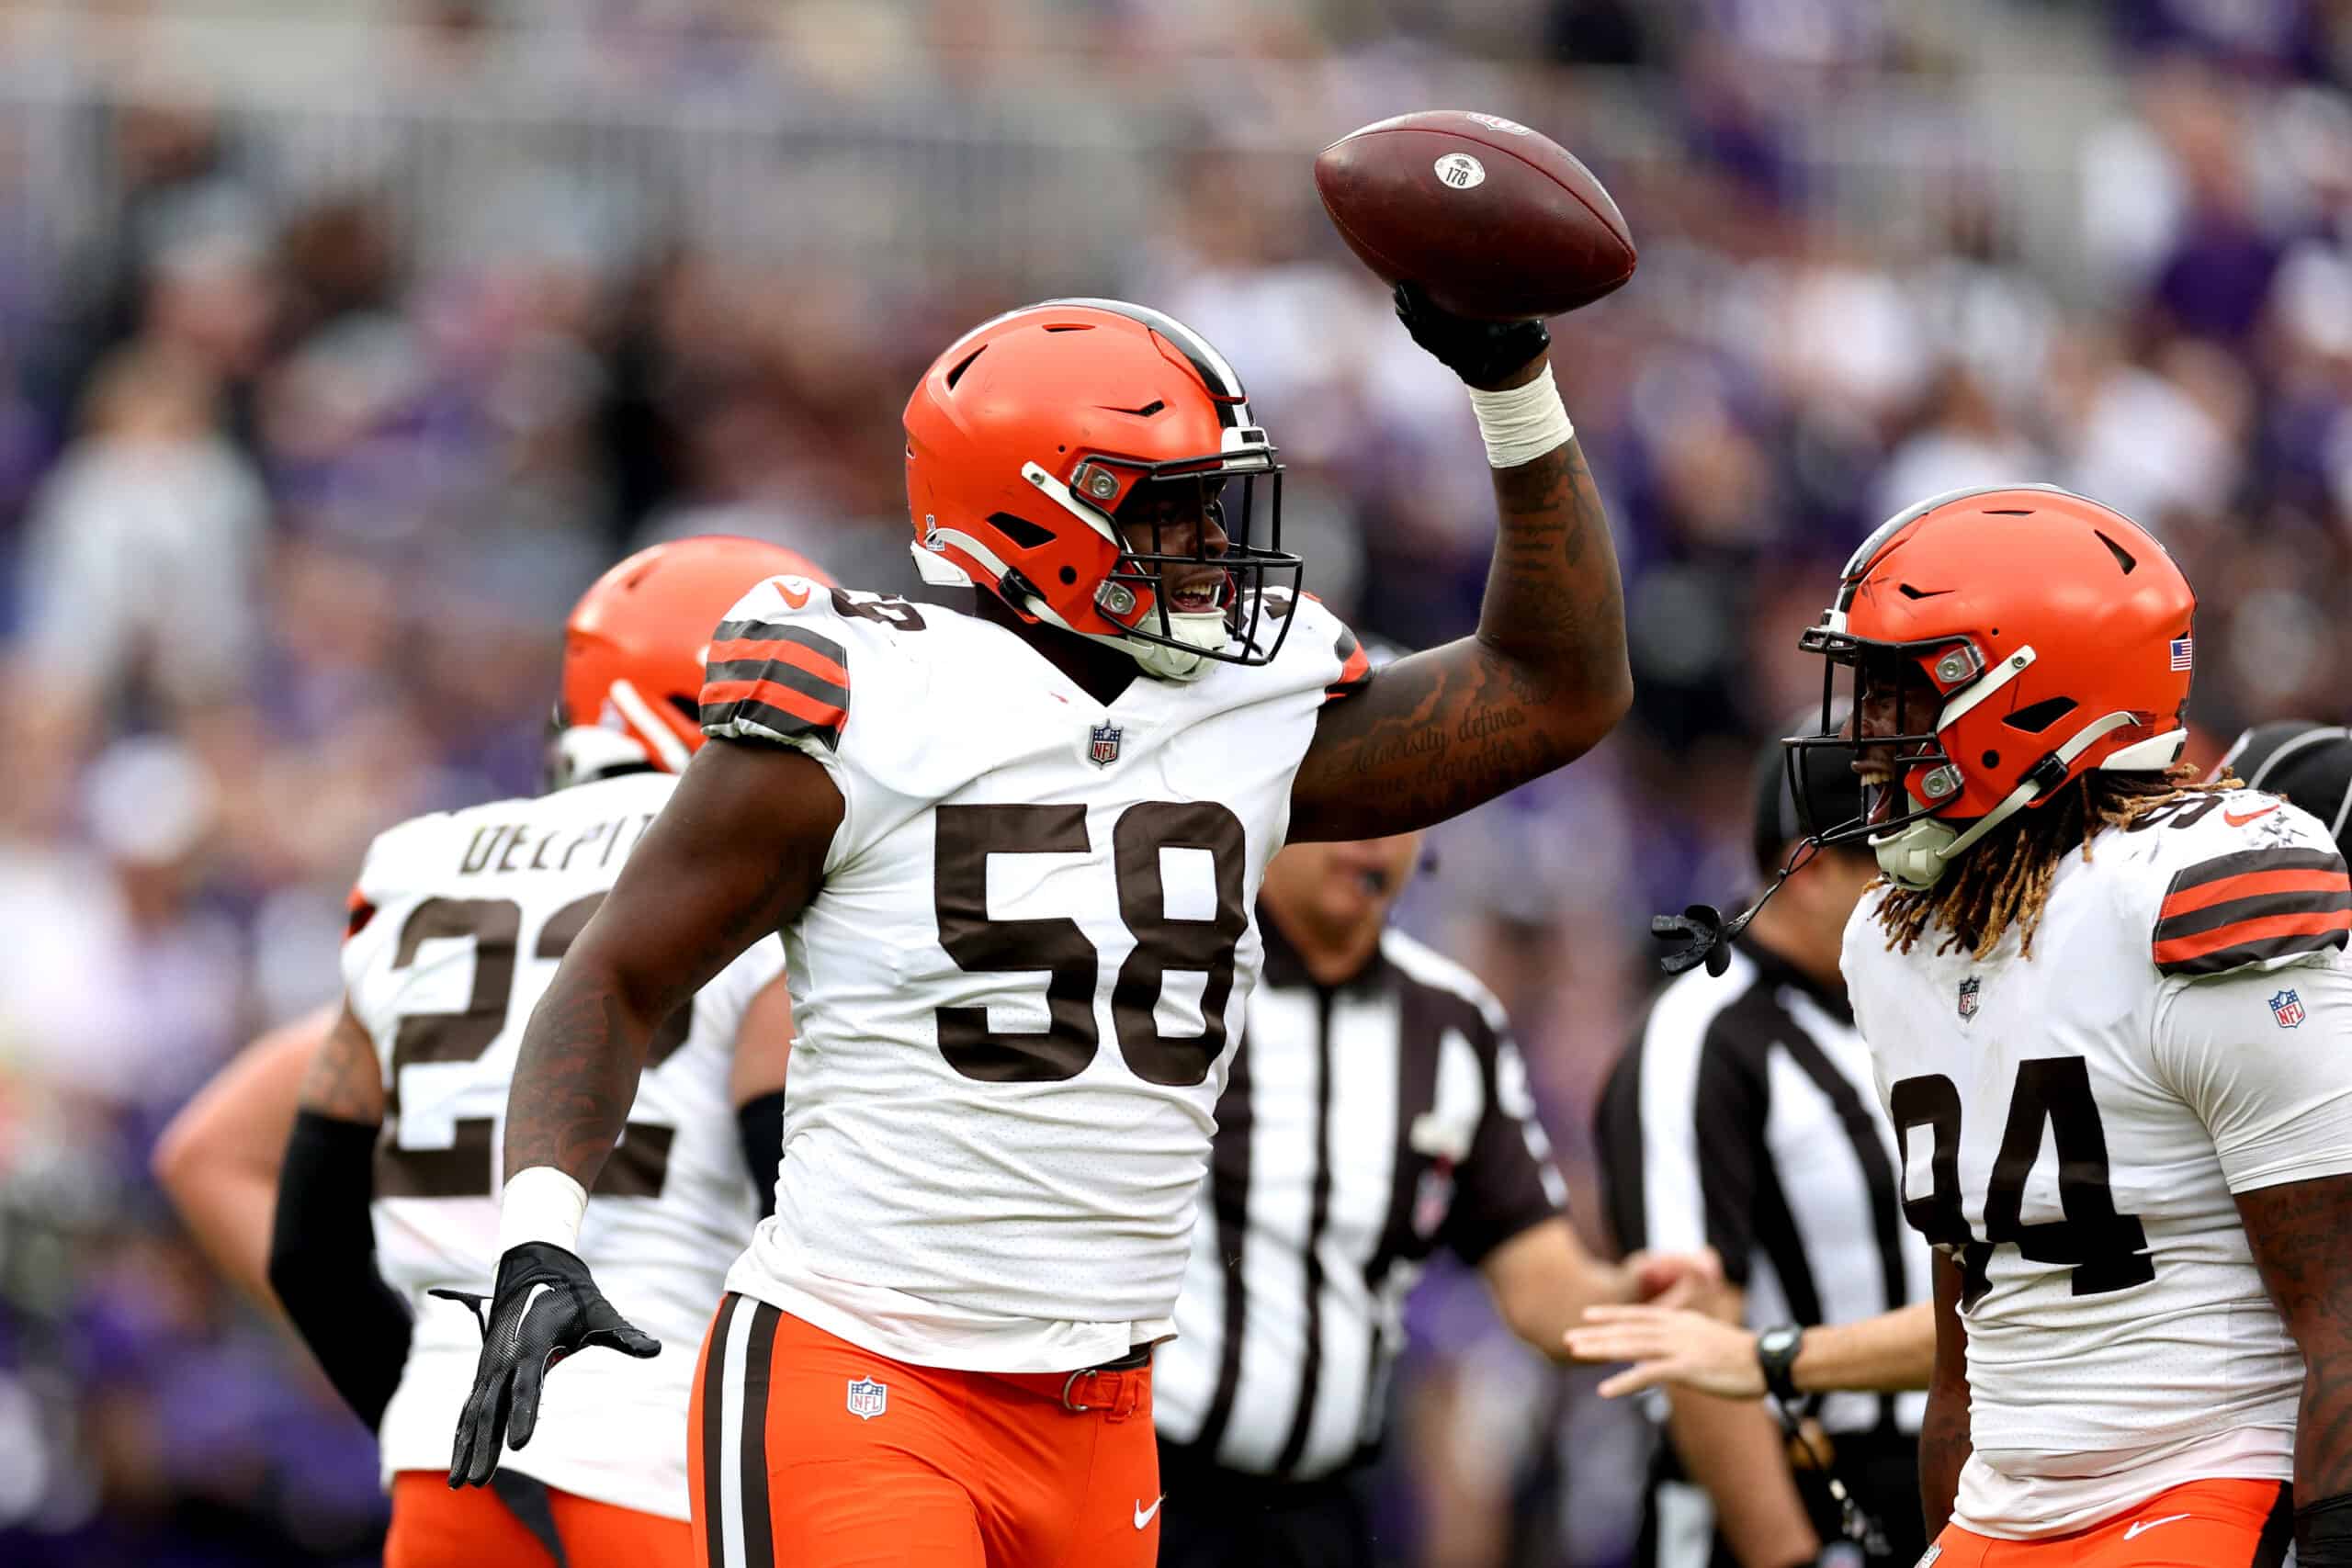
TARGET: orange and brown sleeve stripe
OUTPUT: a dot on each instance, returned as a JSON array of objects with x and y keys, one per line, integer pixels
[
  {"x": 770, "y": 679},
  {"x": 2243, "y": 908}
]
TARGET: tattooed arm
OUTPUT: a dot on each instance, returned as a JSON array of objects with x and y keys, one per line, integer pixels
[
  {"x": 2298, "y": 1232},
  {"x": 1944, "y": 1442},
  {"x": 1544, "y": 678},
  {"x": 739, "y": 850}
]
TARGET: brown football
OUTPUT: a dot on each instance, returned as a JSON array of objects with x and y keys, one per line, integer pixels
[{"x": 1495, "y": 221}]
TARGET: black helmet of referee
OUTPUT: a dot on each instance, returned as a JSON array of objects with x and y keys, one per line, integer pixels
[
  {"x": 1831, "y": 787},
  {"x": 2309, "y": 763}
]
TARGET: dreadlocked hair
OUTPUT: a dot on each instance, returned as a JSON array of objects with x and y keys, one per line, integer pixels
[{"x": 2005, "y": 881}]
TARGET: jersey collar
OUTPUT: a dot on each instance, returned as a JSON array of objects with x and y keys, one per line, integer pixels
[
  {"x": 1775, "y": 971},
  {"x": 1285, "y": 968}
]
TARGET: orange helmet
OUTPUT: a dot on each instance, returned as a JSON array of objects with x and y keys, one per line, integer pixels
[
  {"x": 2055, "y": 633},
  {"x": 633, "y": 651},
  {"x": 1026, "y": 438}
]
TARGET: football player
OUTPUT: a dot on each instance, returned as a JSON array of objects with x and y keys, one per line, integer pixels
[
  {"x": 1014, "y": 854},
  {"x": 2110, "y": 1013},
  {"x": 393, "y": 1101},
  {"x": 2308, "y": 763}
]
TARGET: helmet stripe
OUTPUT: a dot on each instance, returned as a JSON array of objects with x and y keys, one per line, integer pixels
[{"x": 668, "y": 749}]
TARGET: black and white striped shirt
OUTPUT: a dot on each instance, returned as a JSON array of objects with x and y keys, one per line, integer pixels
[
  {"x": 1745, "y": 1118},
  {"x": 1363, "y": 1126}
]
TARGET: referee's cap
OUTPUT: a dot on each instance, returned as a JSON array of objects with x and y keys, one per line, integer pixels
[
  {"x": 2309, "y": 763},
  {"x": 1700, "y": 934},
  {"x": 1831, "y": 786}
]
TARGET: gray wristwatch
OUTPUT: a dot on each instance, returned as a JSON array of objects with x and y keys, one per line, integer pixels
[{"x": 1776, "y": 1352}]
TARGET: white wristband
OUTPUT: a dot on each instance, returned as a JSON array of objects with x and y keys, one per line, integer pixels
[
  {"x": 1521, "y": 424},
  {"x": 541, "y": 1203}
]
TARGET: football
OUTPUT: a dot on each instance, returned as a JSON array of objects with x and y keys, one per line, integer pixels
[{"x": 1495, "y": 221}]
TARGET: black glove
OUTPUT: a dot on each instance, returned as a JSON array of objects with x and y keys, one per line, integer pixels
[
  {"x": 1484, "y": 354},
  {"x": 542, "y": 1309}
]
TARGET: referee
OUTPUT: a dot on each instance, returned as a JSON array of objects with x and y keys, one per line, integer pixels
[
  {"x": 1744, "y": 1118},
  {"x": 1376, "y": 1112}
]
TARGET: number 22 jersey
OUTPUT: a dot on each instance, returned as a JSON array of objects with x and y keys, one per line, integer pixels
[
  {"x": 1015, "y": 989},
  {"x": 2074, "y": 1129},
  {"x": 459, "y": 920}
]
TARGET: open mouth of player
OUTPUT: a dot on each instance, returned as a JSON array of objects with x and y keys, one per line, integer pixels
[
  {"x": 1878, "y": 792},
  {"x": 1884, "y": 798},
  {"x": 1199, "y": 595}
]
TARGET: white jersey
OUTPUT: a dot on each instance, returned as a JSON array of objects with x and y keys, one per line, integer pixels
[
  {"x": 2073, "y": 1127},
  {"x": 459, "y": 920},
  {"x": 1016, "y": 991}
]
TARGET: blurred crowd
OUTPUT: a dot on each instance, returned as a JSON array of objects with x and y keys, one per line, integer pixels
[{"x": 304, "y": 451}]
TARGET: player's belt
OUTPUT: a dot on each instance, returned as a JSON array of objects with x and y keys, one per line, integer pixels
[{"x": 1115, "y": 1388}]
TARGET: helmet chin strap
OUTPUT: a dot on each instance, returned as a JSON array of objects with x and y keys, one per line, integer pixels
[
  {"x": 1914, "y": 856},
  {"x": 1201, "y": 632}
]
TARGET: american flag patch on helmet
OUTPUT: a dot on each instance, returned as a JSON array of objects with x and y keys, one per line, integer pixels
[{"x": 2182, "y": 648}]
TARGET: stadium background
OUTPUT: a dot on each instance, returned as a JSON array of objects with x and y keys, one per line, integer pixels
[{"x": 341, "y": 343}]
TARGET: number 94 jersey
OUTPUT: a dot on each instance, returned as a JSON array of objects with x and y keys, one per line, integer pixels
[
  {"x": 2073, "y": 1127},
  {"x": 1015, "y": 990},
  {"x": 459, "y": 921}
]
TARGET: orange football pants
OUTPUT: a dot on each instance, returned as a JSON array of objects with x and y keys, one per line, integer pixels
[
  {"x": 2205, "y": 1524},
  {"x": 509, "y": 1522},
  {"x": 807, "y": 1452}
]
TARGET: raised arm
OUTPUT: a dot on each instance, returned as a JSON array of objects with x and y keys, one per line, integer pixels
[{"x": 1546, "y": 675}]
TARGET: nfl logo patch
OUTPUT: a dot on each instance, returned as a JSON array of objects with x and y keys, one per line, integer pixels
[
  {"x": 2288, "y": 1008},
  {"x": 867, "y": 1398},
  {"x": 1968, "y": 998},
  {"x": 1102, "y": 745}
]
